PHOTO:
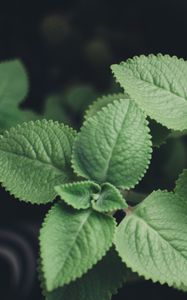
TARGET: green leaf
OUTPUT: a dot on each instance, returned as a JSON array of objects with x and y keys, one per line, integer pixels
[
  {"x": 71, "y": 242},
  {"x": 181, "y": 185},
  {"x": 181, "y": 288},
  {"x": 34, "y": 158},
  {"x": 62, "y": 106},
  {"x": 177, "y": 134},
  {"x": 159, "y": 133},
  {"x": 84, "y": 194},
  {"x": 114, "y": 146},
  {"x": 13, "y": 83},
  {"x": 11, "y": 116},
  {"x": 109, "y": 199},
  {"x": 158, "y": 84},
  {"x": 152, "y": 240},
  {"x": 103, "y": 280},
  {"x": 78, "y": 194},
  {"x": 55, "y": 109},
  {"x": 13, "y": 90},
  {"x": 103, "y": 102},
  {"x": 79, "y": 97}
]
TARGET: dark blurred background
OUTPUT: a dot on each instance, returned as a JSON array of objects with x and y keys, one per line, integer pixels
[{"x": 63, "y": 43}]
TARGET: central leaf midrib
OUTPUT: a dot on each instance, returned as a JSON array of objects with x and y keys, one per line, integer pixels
[
  {"x": 104, "y": 178},
  {"x": 73, "y": 242},
  {"x": 33, "y": 159},
  {"x": 184, "y": 99}
]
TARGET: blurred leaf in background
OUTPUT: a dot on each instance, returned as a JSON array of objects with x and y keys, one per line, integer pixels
[
  {"x": 69, "y": 106},
  {"x": 13, "y": 90}
]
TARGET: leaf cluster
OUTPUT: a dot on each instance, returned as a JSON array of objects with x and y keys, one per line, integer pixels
[{"x": 89, "y": 175}]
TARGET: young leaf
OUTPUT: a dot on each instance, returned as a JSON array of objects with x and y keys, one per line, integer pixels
[
  {"x": 152, "y": 240},
  {"x": 13, "y": 83},
  {"x": 102, "y": 102},
  {"x": 71, "y": 242},
  {"x": 103, "y": 280},
  {"x": 110, "y": 199},
  {"x": 114, "y": 146},
  {"x": 34, "y": 158},
  {"x": 78, "y": 194},
  {"x": 181, "y": 185},
  {"x": 158, "y": 85}
]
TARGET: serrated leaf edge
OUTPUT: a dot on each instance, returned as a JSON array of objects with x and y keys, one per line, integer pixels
[
  {"x": 145, "y": 56},
  {"x": 90, "y": 120},
  {"x": 40, "y": 277},
  {"x": 83, "y": 183},
  {"x": 108, "y": 294},
  {"x": 134, "y": 269},
  {"x": 80, "y": 274},
  {"x": 26, "y": 125},
  {"x": 131, "y": 59},
  {"x": 117, "y": 206},
  {"x": 101, "y": 99}
]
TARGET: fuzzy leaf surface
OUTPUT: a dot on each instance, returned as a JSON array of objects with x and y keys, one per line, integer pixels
[
  {"x": 158, "y": 84},
  {"x": 114, "y": 146},
  {"x": 71, "y": 242},
  {"x": 103, "y": 102},
  {"x": 103, "y": 280},
  {"x": 78, "y": 194},
  {"x": 34, "y": 158},
  {"x": 110, "y": 199},
  {"x": 152, "y": 240}
]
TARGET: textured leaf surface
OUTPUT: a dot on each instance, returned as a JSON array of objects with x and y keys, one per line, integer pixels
[
  {"x": 100, "y": 282},
  {"x": 71, "y": 242},
  {"x": 152, "y": 240},
  {"x": 181, "y": 185},
  {"x": 34, "y": 158},
  {"x": 103, "y": 102},
  {"x": 78, "y": 194},
  {"x": 159, "y": 133},
  {"x": 158, "y": 85},
  {"x": 110, "y": 199},
  {"x": 114, "y": 146}
]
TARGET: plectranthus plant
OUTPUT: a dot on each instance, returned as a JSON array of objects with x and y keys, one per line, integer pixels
[{"x": 86, "y": 251}]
